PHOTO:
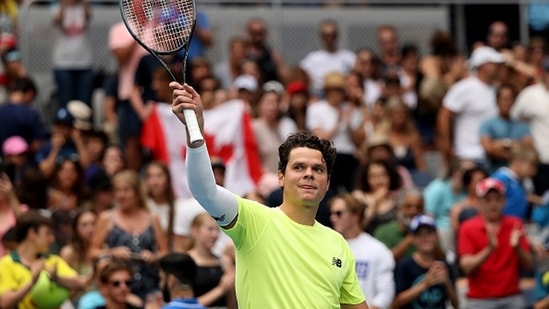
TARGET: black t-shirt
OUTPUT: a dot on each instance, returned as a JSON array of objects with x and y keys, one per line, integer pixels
[
  {"x": 207, "y": 278},
  {"x": 408, "y": 273}
]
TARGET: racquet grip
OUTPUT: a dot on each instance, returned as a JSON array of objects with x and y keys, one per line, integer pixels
[{"x": 192, "y": 126}]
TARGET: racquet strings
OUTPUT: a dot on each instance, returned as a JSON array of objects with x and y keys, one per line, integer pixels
[{"x": 162, "y": 25}]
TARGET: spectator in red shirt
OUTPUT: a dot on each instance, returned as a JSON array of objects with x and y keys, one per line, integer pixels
[{"x": 493, "y": 250}]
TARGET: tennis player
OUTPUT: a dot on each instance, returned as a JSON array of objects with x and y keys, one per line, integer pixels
[{"x": 284, "y": 258}]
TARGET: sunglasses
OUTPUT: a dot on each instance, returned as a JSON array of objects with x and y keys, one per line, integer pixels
[
  {"x": 337, "y": 213},
  {"x": 117, "y": 283}
]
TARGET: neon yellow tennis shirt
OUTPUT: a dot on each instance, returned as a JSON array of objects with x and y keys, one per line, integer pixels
[
  {"x": 283, "y": 264},
  {"x": 14, "y": 275}
]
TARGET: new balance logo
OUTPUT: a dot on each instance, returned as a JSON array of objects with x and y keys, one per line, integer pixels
[
  {"x": 337, "y": 262},
  {"x": 222, "y": 218}
]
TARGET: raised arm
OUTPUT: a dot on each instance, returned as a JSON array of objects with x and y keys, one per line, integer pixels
[{"x": 221, "y": 204}]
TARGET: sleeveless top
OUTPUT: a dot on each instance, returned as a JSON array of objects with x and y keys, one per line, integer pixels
[
  {"x": 405, "y": 157},
  {"x": 266, "y": 64},
  {"x": 145, "y": 276},
  {"x": 207, "y": 278}
]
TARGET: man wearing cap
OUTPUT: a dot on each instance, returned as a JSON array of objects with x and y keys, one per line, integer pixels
[
  {"x": 531, "y": 107},
  {"x": 468, "y": 104},
  {"x": 493, "y": 249},
  {"x": 67, "y": 141},
  {"x": 422, "y": 280}
]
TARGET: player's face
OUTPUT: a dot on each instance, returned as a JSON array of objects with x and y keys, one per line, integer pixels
[
  {"x": 305, "y": 179},
  {"x": 340, "y": 216}
]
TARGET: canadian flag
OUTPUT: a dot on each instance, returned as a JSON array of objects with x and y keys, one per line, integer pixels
[{"x": 228, "y": 135}]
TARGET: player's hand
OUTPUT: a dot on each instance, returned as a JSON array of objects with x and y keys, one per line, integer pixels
[{"x": 185, "y": 97}]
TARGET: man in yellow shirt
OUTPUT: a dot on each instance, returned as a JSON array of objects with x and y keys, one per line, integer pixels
[
  {"x": 21, "y": 285},
  {"x": 284, "y": 257}
]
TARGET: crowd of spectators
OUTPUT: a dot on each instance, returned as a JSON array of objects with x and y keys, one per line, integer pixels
[{"x": 97, "y": 207}]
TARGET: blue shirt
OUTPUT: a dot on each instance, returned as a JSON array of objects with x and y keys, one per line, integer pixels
[
  {"x": 516, "y": 203},
  {"x": 196, "y": 47},
  {"x": 500, "y": 128},
  {"x": 21, "y": 120},
  {"x": 439, "y": 200},
  {"x": 184, "y": 303},
  {"x": 91, "y": 300}
]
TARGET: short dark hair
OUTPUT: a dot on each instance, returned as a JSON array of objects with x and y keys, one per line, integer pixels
[
  {"x": 181, "y": 266},
  {"x": 23, "y": 84},
  {"x": 111, "y": 268},
  {"x": 467, "y": 177},
  {"x": 506, "y": 86},
  {"x": 306, "y": 139},
  {"x": 30, "y": 220}
]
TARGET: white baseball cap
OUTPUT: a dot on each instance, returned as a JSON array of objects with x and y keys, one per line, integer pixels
[
  {"x": 484, "y": 54},
  {"x": 246, "y": 82}
]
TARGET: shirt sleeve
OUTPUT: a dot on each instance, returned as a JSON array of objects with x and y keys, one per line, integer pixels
[
  {"x": 454, "y": 99},
  {"x": 7, "y": 280},
  {"x": 385, "y": 280},
  {"x": 520, "y": 110},
  {"x": 485, "y": 129},
  {"x": 63, "y": 268},
  {"x": 466, "y": 240},
  {"x": 251, "y": 222}
]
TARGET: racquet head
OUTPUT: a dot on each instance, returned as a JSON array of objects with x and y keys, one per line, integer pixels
[{"x": 163, "y": 26}]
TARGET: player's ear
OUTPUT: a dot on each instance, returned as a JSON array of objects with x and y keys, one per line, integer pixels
[{"x": 280, "y": 178}]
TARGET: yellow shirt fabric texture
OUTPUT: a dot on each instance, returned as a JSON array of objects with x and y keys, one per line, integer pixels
[
  {"x": 14, "y": 275},
  {"x": 284, "y": 264}
]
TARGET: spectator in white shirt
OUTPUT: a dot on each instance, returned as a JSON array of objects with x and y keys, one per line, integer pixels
[
  {"x": 329, "y": 58},
  {"x": 531, "y": 107},
  {"x": 468, "y": 104},
  {"x": 374, "y": 261}
]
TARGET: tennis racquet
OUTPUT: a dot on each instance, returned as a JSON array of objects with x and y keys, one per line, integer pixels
[{"x": 164, "y": 27}]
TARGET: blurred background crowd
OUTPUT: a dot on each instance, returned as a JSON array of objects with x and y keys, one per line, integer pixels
[{"x": 418, "y": 123}]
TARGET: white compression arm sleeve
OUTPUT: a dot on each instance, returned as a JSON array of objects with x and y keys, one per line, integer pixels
[{"x": 219, "y": 202}]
